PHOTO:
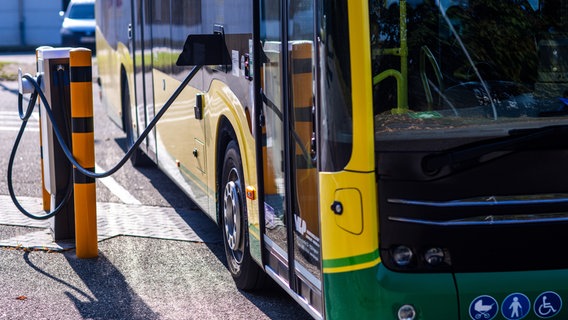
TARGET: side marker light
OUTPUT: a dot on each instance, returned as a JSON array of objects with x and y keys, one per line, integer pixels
[
  {"x": 251, "y": 193},
  {"x": 406, "y": 312}
]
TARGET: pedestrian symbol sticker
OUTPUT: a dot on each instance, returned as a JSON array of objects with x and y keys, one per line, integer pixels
[
  {"x": 515, "y": 306},
  {"x": 547, "y": 304},
  {"x": 483, "y": 307}
]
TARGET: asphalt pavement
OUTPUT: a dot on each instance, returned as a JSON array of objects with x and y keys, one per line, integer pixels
[{"x": 154, "y": 262}]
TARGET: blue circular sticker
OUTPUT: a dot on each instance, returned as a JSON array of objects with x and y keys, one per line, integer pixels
[
  {"x": 515, "y": 306},
  {"x": 483, "y": 307},
  {"x": 547, "y": 304}
]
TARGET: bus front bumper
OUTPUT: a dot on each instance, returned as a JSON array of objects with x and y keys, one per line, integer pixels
[{"x": 488, "y": 295}]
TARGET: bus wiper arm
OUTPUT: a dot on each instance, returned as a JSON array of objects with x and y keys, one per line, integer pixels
[{"x": 517, "y": 139}]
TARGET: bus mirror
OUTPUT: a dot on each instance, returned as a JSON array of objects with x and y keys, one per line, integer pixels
[{"x": 204, "y": 49}]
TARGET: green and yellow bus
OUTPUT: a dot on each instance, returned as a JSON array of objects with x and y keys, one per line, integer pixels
[{"x": 381, "y": 159}]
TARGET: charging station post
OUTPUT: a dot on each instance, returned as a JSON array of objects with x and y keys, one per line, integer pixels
[{"x": 53, "y": 64}]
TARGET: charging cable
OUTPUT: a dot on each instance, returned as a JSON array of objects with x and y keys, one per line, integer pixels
[{"x": 24, "y": 116}]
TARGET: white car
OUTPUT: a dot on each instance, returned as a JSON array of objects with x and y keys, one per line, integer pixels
[{"x": 78, "y": 27}]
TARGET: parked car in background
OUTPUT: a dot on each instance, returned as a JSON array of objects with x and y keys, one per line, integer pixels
[{"x": 78, "y": 26}]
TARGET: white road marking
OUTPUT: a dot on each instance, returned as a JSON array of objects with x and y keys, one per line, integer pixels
[
  {"x": 117, "y": 189},
  {"x": 10, "y": 121}
]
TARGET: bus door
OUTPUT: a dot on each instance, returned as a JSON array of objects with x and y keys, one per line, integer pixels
[
  {"x": 290, "y": 176},
  {"x": 143, "y": 83}
]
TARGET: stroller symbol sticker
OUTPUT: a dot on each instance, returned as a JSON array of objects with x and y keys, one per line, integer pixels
[
  {"x": 483, "y": 308},
  {"x": 547, "y": 305}
]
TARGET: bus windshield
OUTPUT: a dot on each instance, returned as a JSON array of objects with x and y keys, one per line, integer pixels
[{"x": 447, "y": 69}]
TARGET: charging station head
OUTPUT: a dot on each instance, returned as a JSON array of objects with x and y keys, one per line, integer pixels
[
  {"x": 204, "y": 49},
  {"x": 24, "y": 86}
]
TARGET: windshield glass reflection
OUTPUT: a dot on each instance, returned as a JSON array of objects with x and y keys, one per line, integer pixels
[{"x": 463, "y": 65}]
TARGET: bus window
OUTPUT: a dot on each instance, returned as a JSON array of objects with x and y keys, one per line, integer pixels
[
  {"x": 335, "y": 90},
  {"x": 470, "y": 64},
  {"x": 306, "y": 218}
]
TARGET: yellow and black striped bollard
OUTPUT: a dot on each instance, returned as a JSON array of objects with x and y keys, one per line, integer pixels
[{"x": 83, "y": 142}]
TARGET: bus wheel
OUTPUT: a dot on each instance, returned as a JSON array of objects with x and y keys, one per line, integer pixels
[
  {"x": 138, "y": 157},
  {"x": 246, "y": 273}
]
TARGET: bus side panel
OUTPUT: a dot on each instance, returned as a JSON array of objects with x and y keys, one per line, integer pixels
[
  {"x": 179, "y": 134},
  {"x": 107, "y": 61},
  {"x": 229, "y": 96},
  {"x": 180, "y": 139},
  {"x": 107, "y": 69},
  {"x": 113, "y": 53},
  {"x": 351, "y": 295},
  {"x": 223, "y": 103},
  {"x": 187, "y": 146}
]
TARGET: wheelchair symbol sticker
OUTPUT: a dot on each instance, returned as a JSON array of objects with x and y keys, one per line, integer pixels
[
  {"x": 515, "y": 306},
  {"x": 483, "y": 308},
  {"x": 547, "y": 305}
]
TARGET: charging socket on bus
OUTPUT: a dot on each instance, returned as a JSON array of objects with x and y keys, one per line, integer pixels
[{"x": 198, "y": 109}]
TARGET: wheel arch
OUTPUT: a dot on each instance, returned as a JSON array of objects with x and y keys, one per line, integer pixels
[
  {"x": 251, "y": 275},
  {"x": 225, "y": 134}
]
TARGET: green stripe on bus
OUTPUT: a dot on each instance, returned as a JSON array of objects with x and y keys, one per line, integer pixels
[{"x": 350, "y": 261}]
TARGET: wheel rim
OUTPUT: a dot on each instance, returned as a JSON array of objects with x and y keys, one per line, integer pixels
[{"x": 232, "y": 208}]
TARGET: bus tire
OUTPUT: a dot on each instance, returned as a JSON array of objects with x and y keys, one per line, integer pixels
[
  {"x": 138, "y": 157},
  {"x": 245, "y": 271}
]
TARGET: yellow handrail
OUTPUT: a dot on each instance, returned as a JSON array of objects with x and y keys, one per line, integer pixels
[
  {"x": 401, "y": 76},
  {"x": 400, "y": 90}
]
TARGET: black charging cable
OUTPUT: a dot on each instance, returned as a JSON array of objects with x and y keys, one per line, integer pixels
[{"x": 24, "y": 116}]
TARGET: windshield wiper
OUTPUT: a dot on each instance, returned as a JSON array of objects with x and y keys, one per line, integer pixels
[{"x": 472, "y": 154}]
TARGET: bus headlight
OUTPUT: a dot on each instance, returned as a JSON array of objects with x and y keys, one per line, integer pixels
[
  {"x": 402, "y": 255},
  {"x": 406, "y": 312},
  {"x": 434, "y": 256}
]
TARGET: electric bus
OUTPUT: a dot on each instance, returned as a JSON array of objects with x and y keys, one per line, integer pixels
[{"x": 381, "y": 159}]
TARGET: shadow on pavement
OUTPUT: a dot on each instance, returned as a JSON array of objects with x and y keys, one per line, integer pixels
[{"x": 109, "y": 296}]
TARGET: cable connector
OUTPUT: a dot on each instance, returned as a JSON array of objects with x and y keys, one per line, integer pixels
[{"x": 24, "y": 85}]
